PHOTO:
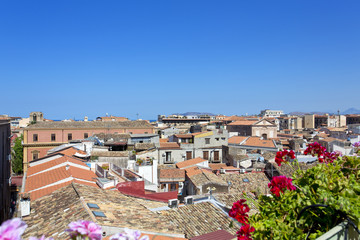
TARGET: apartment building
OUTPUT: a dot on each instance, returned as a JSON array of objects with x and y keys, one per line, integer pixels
[{"x": 43, "y": 136}]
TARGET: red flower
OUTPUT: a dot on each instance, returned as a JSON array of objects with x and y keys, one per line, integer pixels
[
  {"x": 280, "y": 184},
  {"x": 329, "y": 157},
  {"x": 315, "y": 149},
  {"x": 282, "y": 156},
  {"x": 244, "y": 232},
  {"x": 239, "y": 211}
]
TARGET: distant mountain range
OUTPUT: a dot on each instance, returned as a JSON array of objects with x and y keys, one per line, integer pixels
[
  {"x": 348, "y": 111},
  {"x": 351, "y": 111},
  {"x": 194, "y": 114}
]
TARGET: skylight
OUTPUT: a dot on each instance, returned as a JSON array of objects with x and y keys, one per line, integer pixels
[
  {"x": 246, "y": 180},
  {"x": 93, "y": 205},
  {"x": 98, "y": 214}
]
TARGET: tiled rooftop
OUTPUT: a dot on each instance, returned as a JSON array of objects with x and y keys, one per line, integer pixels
[
  {"x": 52, "y": 219},
  {"x": 237, "y": 139},
  {"x": 190, "y": 162},
  {"x": 44, "y": 179},
  {"x": 172, "y": 174},
  {"x": 288, "y": 171},
  {"x": 120, "y": 211},
  {"x": 206, "y": 177},
  {"x": 52, "y": 163},
  {"x": 243, "y": 122},
  {"x": 198, "y": 219},
  {"x": 256, "y": 141},
  {"x": 256, "y": 182},
  {"x": 216, "y": 166},
  {"x": 169, "y": 145}
]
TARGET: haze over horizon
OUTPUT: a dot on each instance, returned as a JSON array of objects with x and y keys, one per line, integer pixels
[{"x": 88, "y": 58}]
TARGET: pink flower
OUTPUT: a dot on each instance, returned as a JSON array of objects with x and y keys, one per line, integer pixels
[
  {"x": 85, "y": 228},
  {"x": 129, "y": 234},
  {"x": 244, "y": 232},
  {"x": 280, "y": 184},
  {"x": 42, "y": 238},
  {"x": 12, "y": 229},
  {"x": 356, "y": 145},
  {"x": 239, "y": 211},
  {"x": 282, "y": 156}
]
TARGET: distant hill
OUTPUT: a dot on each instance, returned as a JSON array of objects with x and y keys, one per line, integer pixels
[
  {"x": 194, "y": 114},
  {"x": 351, "y": 111}
]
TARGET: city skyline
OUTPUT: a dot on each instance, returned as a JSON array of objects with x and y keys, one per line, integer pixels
[{"x": 76, "y": 59}]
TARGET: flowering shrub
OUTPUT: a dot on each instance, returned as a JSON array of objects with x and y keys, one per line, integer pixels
[
  {"x": 280, "y": 184},
  {"x": 12, "y": 229},
  {"x": 79, "y": 230},
  {"x": 331, "y": 190},
  {"x": 282, "y": 156},
  {"x": 84, "y": 229}
]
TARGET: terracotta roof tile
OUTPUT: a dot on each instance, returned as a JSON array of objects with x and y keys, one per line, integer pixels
[
  {"x": 120, "y": 211},
  {"x": 164, "y": 140},
  {"x": 257, "y": 142},
  {"x": 216, "y": 166},
  {"x": 51, "y": 163},
  {"x": 198, "y": 219},
  {"x": 237, "y": 139},
  {"x": 51, "y": 177},
  {"x": 256, "y": 182},
  {"x": 173, "y": 173},
  {"x": 190, "y": 162},
  {"x": 217, "y": 235},
  {"x": 169, "y": 145},
  {"x": 246, "y": 122}
]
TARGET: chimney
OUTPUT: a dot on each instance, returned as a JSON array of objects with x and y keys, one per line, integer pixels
[
  {"x": 67, "y": 167},
  {"x": 25, "y": 204}
]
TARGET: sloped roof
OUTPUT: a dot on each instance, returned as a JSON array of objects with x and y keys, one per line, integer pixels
[
  {"x": 216, "y": 166},
  {"x": 258, "y": 142},
  {"x": 190, "y": 162},
  {"x": 52, "y": 163},
  {"x": 206, "y": 177},
  {"x": 243, "y": 122},
  {"x": 57, "y": 175},
  {"x": 237, "y": 139},
  {"x": 169, "y": 145},
  {"x": 198, "y": 219},
  {"x": 172, "y": 174},
  {"x": 217, "y": 235},
  {"x": 120, "y": 211},
  {"x": 256, "y": 182}
]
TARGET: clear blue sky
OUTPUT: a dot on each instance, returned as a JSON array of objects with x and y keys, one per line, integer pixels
[{"x": 87, "y": 58}]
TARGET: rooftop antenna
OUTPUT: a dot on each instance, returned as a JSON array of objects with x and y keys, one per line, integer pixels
[{"x": 137, "y": 116}]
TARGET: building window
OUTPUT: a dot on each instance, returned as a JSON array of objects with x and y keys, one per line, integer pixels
[
  {"x": 86, "y": 135},
  {"x": 188, "y": 155},
  {"x": 217, "y": 139},
  {"x": 207, "y": 140},
  {"x": 216, "y": 156},
  {"x": 69, "y": 136},
  {"x": 146, "y": 132},
  {"x": 35, "y": 155},
  {"x": 35, "y": 137},
  {"x": 53, "y": 137},
  {"x": 168, "y": 157},
  {"x": 206, "y": 155}
]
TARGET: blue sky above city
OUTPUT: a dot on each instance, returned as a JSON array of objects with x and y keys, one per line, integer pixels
[{"x": 71, "y": 59}]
